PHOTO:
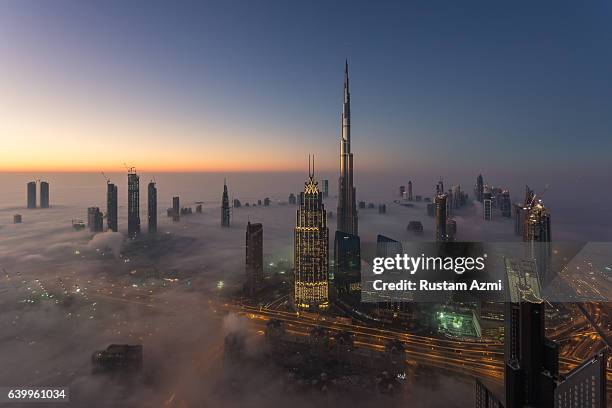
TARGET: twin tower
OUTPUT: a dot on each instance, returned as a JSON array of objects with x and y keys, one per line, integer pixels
[{"x": 311, "y": 235}]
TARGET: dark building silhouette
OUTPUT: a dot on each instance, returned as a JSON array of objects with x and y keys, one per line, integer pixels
[
  {"x": 325, "y": 185},
  {"x": 292, "y": 199},
  {"x": 505, "y": 205},
  {"x": 111, "y": 206},
  {"x": 32, "y": 194},
  {"x": 176, "y": 209},
  {"x": 487, "y": 204},
  {"x": 133, "y": 203},
  {"x": 531, "y": 360},
  {"x": 485, "y": 398},
  {"x": 451, "y": 230},
  {"x": 225, "y": 208},
  {"x": 118, "y": 358},
  {"x": 441, "y": 218},
  {"x": 347, "y": 210},
  {"x": 387, "y": 247},
  {"x": 347, "y": 262},
  {"x": 584, "y": 386},
  {"x": 266, "y": 201},
  {"x": 402, "y": 191},
  {"x": 44, "y": 194},
  {"x": 479, "y": 188},
  {"x": 519, "y": 218},
  {"x": 410, "y": 190},
  {"x": 152, "y": 207},
  {"x": 95, "y": 219},
  {"x": 311, "y": 249},
  {"x": 440, "y": 187},
  {"x": 254, "y": 257},
  {"x": 237, "y": 203}
]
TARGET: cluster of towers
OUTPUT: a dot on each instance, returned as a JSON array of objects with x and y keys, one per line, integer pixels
[
  {"x": 44, "y": 194},
  {"x": 492, "y": 198},
  {"x": 95, "y": 216},
  {"x": 443, "y": 207},
  {"x": 531, "y": 360},
  {"x": 311, "y": 234}
]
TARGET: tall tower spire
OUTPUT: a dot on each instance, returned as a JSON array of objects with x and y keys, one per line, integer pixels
[{"x": 347, "y": 209}]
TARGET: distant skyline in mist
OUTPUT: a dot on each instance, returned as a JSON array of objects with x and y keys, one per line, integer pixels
[{"x": 257, "y": 86}]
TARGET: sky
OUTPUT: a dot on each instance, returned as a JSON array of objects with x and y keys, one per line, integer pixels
[{"x": 257, "y": 86}]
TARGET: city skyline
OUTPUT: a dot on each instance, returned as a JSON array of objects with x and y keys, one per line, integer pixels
[
  {"x": 470, "y": 264},
  {"x": 135, "y": 86}
]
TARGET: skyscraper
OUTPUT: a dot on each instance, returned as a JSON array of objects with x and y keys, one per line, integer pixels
[
  {"x": 487, "y": 205},
  {"x": 536, "y": 232},
  {"x": 347, "y": 210},
  {"x": 519, "y": 218},
  {"x": 176, "y": 209},
  {"x": 225, "y": 208},
  {"x": 133, "y": 203},
  {"x": 32, "y": 194},
  {"x": 440, "y": 186},
  {"x": 111, "y": 206},
  {"x": 347, "y": 261},
  {"x": 584, "y": 386},
  {"x": 44, "y": 194},
  {"x": 479, "y": 188},
  {"x": 325, "y": 184},
  {"x": 531, "y": 360},
  {"x": 95, "y": 219},
  {"x": 441, "y": 218},
  {"x": 505, "y": 204},
  {"x": 409, "y": 190},
  {"x": 254, "y": 257},
  {"x": 152, "y": 207},
  {"x": 311, "y": 247}
]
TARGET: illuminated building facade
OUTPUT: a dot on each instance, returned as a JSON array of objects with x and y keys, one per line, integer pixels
[
  {"x": 347, "y": 210},
  {"x": 254, "y": 257},
  {"x": 225, "y": 208},
  {"x": 111, "y": 206},
  {"x": 536, "y": 232},
  {"x": 133, "y": 203},
  {"x": 311, "y": 248},
  {"x": 32, "y": 194},
  {"x": 152, "y": 207},
  {"x": 44, "y": 194}
]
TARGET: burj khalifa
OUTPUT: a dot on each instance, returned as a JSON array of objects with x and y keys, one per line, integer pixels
[{"x": 347, "y": 209}]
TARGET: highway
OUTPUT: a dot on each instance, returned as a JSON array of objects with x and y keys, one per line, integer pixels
[{"x": 478, "y": 359}]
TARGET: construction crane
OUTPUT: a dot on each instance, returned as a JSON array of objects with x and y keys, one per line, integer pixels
[
  {"x": 533, "y": 199},
  {"x": 130, "y": 169},
  {"x": 108, "y": 180}
]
